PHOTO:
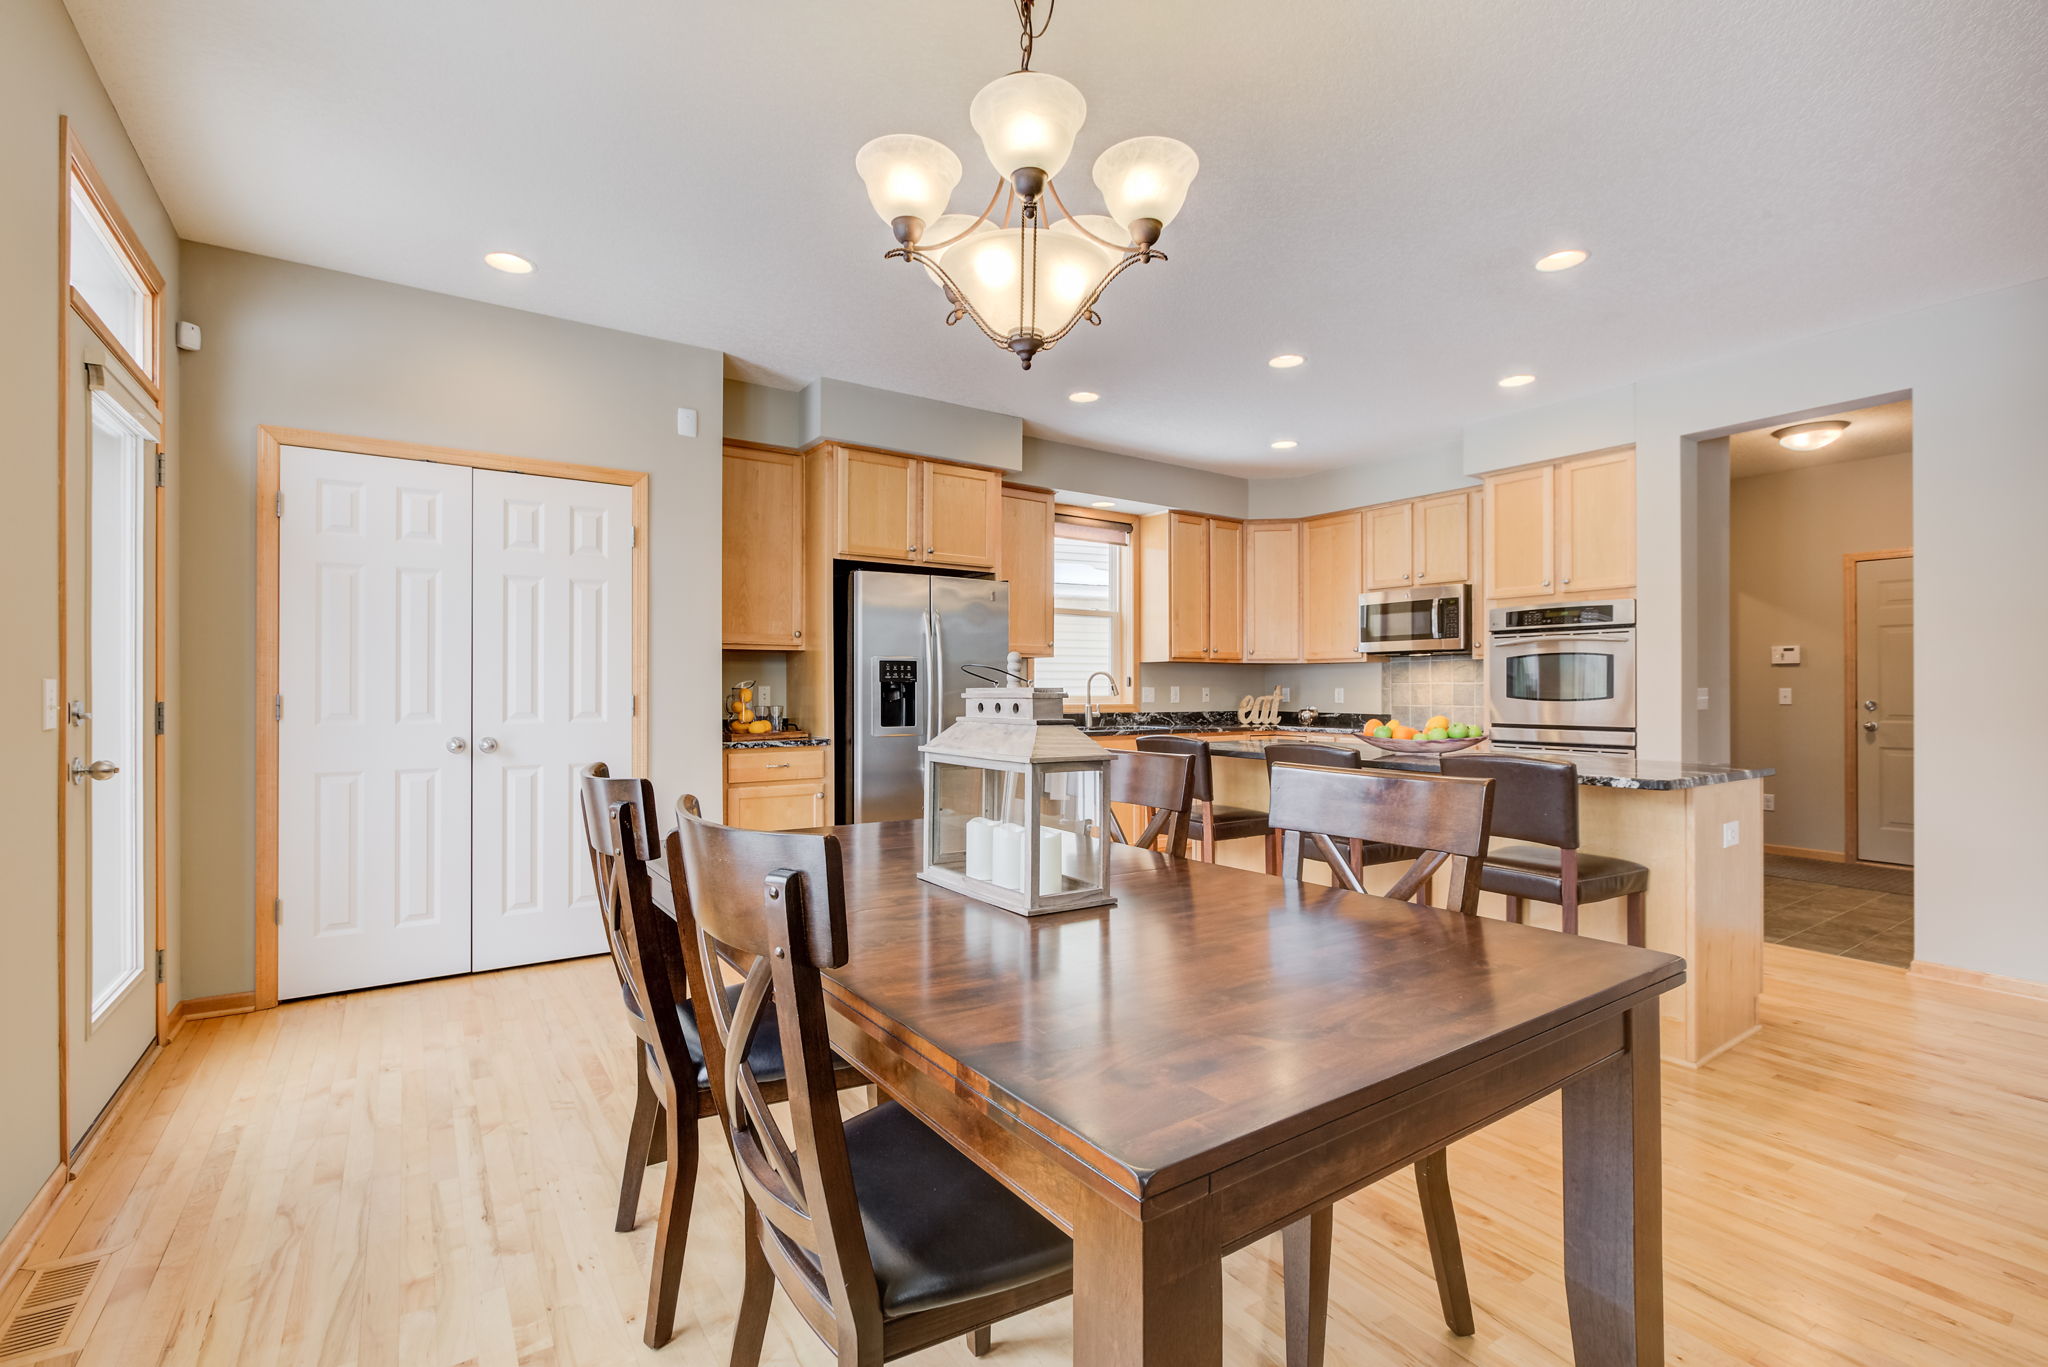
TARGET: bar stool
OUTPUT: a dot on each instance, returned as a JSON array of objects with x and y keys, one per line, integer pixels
[
  {"x": 1538, "y": 799},
  {"x": 1364, "y": 854},
  {"x": 1207, "y": 822}
]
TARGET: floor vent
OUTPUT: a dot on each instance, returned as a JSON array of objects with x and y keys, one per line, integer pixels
[{"x": 45, "y": 1319}]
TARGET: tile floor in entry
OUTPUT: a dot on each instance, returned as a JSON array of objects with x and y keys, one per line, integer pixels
[{"x": 1857, "y": 923}]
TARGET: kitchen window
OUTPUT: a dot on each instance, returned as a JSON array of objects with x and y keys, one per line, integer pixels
[{"x": 1091, "y": 587}]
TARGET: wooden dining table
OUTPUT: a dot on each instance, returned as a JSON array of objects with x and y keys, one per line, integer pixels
[{"x": 1222, "y": 1053}]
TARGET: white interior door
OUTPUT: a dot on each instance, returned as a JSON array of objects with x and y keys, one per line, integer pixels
[
  {"x": 109, "y": 961},
  {"x": 554, "y": 690},
  {"x": 1884, "y": 710},
  {"x": 373, "y": 804}
]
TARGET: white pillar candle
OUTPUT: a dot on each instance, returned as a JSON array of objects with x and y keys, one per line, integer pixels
[
  {"x": 1051, "y": 859},
  {"x": 1007, "y": 863},
  {"x": 981, "y": 848}
]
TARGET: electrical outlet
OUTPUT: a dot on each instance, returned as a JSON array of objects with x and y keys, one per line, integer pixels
[
  {"x": 1286, "y": 695},
  {"x": 1704, "y": 704},
  {"x": 761, "y": 698},
  {"x": 1784, "y": 697},
  {"x": 1205, "y": 695},
  {"x": 49, "y": 704},
  {"x": 1770, "y": 802},
  {"x": 1148, "y": 695},
  {"x": 1731, "y": 834},
  {"x": 1173, "y": 693},
  {"x": 1337, "y": 696}
]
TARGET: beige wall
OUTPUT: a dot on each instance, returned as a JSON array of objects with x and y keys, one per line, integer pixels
[
  {"x": 44, "y": 75},
  {"x": 1787, "y": 536},
  {"x": 292, "y": 346}
]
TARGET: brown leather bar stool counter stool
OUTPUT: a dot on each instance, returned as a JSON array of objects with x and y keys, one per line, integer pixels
[
  {"x": 1538, "y": 799},
  {"x": 1364, "y": 854},
  {"x": 1209, "y": 824},
  {"x": 1155, "y": 783}
]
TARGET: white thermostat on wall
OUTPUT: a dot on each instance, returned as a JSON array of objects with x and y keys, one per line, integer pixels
[
  {"x": 1784, "y": 655},
  {"x": 188, "y": 336}
]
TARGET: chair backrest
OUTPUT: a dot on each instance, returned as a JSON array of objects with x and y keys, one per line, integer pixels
[
  {"x": 1446, "y": 818},
  {"x": 1163, "y": 783},
  {"x": 618, "y": 813},
  {"x": 1533, "y": 799},
  {"x": 1202, "y": 786},
  {"x": 1317, "y": 756},
  {"x": 773, "y": 905}
]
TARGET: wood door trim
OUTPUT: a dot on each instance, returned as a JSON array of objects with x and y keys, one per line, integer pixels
[
  {"x": 1850, "y": 834},
  {"x": 270, "y": 443}
]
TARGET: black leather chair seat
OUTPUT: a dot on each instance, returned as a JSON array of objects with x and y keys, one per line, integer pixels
[
  {"x": 1232, "y": 823},
  {"x": 1536, "y": 872},
  {"x": 765, "y": 1057},
  {"x": 939, "y": 1229}
]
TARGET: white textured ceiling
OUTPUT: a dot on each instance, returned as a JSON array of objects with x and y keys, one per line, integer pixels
[
  {"x": 1884, "y": 430},
  {"x": 1377, "y": 176}
]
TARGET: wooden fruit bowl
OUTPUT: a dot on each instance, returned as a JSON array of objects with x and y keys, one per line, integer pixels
[{"x": 1420, "y": 746}]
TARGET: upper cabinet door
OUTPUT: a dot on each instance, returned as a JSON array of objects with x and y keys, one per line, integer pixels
[
  {"x": 1226, "y": 590},
  {"x": 1187, "y": 568},
  {"x": 1596, "y": 523},
  {"x": 1390, "y": 546},
  {"x": 963, "y": 516},
  {"x": 1273, "y": 591},
  {"x": 878, "y": 496},
  {"x": 1443, "y": 539},
  {"x": 1027, "y": 567},
  {"x": 1332, "y": 576},
  {"x": 764, "y": 549},
  {"x": 1520, "y": 515}
]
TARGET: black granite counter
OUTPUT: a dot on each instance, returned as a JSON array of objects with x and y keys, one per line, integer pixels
[{"x": 771, "y": 742}]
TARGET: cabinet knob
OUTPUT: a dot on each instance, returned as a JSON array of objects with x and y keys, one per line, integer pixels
[
  {"x": 798, "y": 633},
  {"x": 1546, "y": 583},
  {"x": 930, "y": 549},
  {"x": 1567, "y": 579}
]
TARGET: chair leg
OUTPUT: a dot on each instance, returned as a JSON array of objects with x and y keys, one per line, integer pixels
[
  {"x": 678, "y": 1190},
  {"x": 1571, "y": 910},
  {"x": 1305, "y": 1258},
  {"x": 1440, "y": 1222},
  {"x": 978, "y": 1342},
  {"x": 757, "y": 1292},
  {"x": 639, "y": 1144},
  {"x": 1208, "y": 832},
  {"x": 1637, "y": 929},
  {"x": 1514, "y": 909},
  {"x": 1273, "y": 853}
]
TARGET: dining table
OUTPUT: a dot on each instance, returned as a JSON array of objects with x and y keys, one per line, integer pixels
[{"x": 1220, "y": 1054}]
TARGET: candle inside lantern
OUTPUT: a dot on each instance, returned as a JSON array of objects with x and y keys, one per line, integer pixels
[
  {"x": 981, "y": 848},
  {"x": 1007, "y": 865},
  {"x": 1052, "y": 847}
]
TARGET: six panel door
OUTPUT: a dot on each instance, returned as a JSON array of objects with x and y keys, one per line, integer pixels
[{"x": 554, "y": 691}]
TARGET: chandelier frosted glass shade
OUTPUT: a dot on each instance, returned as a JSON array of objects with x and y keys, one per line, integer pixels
[
  {"x": 1028, "y": 118},
  {"x": 1028, "y": 285},
  {"x": 1146, "y": 178},
  {"x": 908, "y": 176}
]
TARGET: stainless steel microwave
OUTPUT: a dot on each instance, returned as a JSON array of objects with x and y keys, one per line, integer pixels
[{"x": 1425, "y": 619}]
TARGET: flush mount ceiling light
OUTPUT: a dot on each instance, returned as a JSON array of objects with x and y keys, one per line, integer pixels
[
  {"x": 1561, "y": 261},
  {"x": 1083, "y": 396},
  {"x": 508, "y": 263},
  {"x": 1810, "y": 436},
  {"x": 1287, "y": 361},
  {"x": 1516, "y": 381},
  {"x": 1285, "y": 444},
  {"x": 1025, "y": 278},
  {"x": 1106, "y": 503}
]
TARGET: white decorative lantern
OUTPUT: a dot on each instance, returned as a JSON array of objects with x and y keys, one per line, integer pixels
[{"x": 1016, "y": 805}]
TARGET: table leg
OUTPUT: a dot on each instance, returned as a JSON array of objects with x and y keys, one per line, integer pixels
[
  {"x": 1148, "y": 1292},
  {"x": 1613, "y": 1205}
]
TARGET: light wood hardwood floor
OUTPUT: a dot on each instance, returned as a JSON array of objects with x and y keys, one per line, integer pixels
[{"x": 425, "y": 1175}]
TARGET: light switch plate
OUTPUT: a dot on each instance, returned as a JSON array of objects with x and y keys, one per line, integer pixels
[
  {"x": 1704, "y": 704},
  {"x": 1148, "y": 695},
  {"x": 1337, "y": 696},
  {"x": 1731, "y": 834},
  {"x": 1770, "y": 802},
  {"x": 1784, "y": 697},
  {"x": 686, "y": 422},
  {"x": 49, "y": 704},
  {"x": 1173, "y": 693}
]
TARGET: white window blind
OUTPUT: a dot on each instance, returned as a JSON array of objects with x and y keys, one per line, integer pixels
[{"x": 1087, "y": 624}]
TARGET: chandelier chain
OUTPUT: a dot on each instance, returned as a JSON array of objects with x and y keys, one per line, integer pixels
[{"x": 1029, "y": 35}]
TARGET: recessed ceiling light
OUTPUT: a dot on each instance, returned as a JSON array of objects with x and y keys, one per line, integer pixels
[
  {"x": 508, "y": 263},
  {"x": 1810, "y": 436},
  {"x": 1516, "y": 381},
  {"x": 1561, "y": 261},
  {"x": 1083, "y": 396},
  {"x": 1286, "y": 362},
  {"x": 1106, "y": 503},
  {"x": 1285, "y": 444}
]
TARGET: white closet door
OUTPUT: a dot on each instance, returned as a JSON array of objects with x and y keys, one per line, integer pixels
[
  {"x": 374, "y": 671},
  {"x": 554, "y": 691}
]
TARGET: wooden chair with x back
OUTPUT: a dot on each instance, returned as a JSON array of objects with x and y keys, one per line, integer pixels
[
  {"x": 1160, "y": 784},
  {"x": 1360, "y": 854},
  {"x": 1442, "y": 820},
  {"x": 1208, "y": 821},
  {"x": 884, "y": 1236}
]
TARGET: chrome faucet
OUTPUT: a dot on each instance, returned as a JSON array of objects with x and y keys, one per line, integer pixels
[{"x": 1088, "y": 717}]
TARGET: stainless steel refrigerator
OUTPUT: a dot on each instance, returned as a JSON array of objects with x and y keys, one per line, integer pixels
[{"x": 906, "y": 637}]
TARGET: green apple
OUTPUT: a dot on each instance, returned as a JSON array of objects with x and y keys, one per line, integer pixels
[{"x": 1437, "y": 733}]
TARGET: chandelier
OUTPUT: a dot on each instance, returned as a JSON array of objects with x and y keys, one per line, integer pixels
[{"x": 1027, "y": 276}]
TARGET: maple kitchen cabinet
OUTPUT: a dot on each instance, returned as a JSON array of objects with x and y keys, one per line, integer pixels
[
  {"x": 1190, "y": 587},
  {"x": 763, "y": 549},
  {"x": 1563, "y": 529},
  {"x": 782, "y": 788},
  {"x": 1420, "y": 541},
  {"x": 1332, "y": 577},
  {"x": 1026, "y": 565},
  {"x": 911, "y": 511},
  {"x": 1272, "y": 591}
]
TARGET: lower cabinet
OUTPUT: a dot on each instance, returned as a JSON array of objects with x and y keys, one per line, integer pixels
[{"x": 776, "y": 789}]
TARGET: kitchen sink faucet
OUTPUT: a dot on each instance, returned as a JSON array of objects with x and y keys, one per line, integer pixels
[{"x": 1088, "y": 717}]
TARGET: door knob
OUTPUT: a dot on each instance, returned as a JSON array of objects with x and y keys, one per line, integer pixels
[
  {"x": 99, "y": 770},
  {"x": 1870, "y": 704},
  {"x": 456, "y": 745},
  {"x": 1870, "y": 728},
  {"x": 487, "y": 744}
]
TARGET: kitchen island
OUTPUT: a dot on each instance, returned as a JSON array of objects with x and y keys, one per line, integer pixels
[{"x": 1697, "y": 827}]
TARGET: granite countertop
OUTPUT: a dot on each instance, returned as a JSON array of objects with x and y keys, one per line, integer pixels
[{"x": 770, "y": 742}]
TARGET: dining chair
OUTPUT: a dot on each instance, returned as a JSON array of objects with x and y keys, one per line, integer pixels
[
  {"x": 1441, "y": 820},
  {"x": 884, "y": 1236},
  {"x": 1360, "y": 854},
  {"x": 1538, "y": 800},
  {"x": 1163, "y": 785},
  {"x": 1209, "y": 823},
  {"x": 673, "y": 1090}
]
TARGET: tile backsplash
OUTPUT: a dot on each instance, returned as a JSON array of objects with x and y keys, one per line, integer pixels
[{"x": 1416, "y": 688}]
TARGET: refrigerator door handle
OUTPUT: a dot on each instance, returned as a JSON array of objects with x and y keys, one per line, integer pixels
[{"x": 938, "y": 631}]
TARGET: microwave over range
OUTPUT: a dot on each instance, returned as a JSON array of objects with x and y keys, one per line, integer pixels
[{"x": 1429, "y": 618}]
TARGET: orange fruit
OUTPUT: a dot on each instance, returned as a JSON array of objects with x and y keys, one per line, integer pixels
[{"x": 1404, "y": 733}]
